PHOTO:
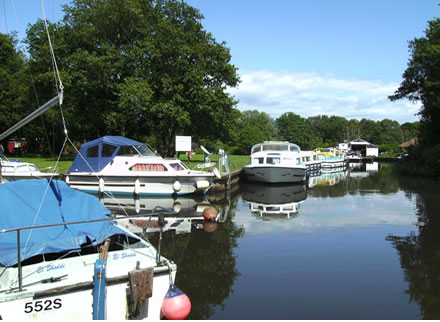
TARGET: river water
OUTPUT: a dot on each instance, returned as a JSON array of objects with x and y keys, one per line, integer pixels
[{"x": 355, "y": 244}]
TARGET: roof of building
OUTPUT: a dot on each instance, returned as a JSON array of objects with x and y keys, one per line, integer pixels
[{"x": 411, "y": 142}]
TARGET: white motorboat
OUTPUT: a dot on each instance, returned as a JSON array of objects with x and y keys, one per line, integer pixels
[
  {"x": 275, "y": 162},
  {"x": 311, "y": 160},
  {"x": 53, "y": 264},
  {"x": 16, "y": 170},
  {"x": 331, "y": 158},
  {"x": 118, "y": 165}
]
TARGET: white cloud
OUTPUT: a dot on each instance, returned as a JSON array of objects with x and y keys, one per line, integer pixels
[{"x": 310, "y": 94}]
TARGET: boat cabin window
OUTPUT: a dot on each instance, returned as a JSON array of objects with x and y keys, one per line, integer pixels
[
  {"x": 32, "y": 167},
  {"x": 272, "y": 160},
  {"x": 92, "y": 152},
  {"x": 257, "y": 160},
  {"x": 294, "y": 149},
  {"x": 108, "y": 150},
  {"x": 7, "y": 169},
  {"x": 148, "y": 167},
  {"x": 275, "y": 147},
  {"x": 22, "y": 168},
  {"x": 127, "y": 150},
  {"x": 177, "y": 166}
]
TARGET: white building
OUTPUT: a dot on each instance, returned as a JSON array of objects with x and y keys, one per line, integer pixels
[{"x": 365, "y": 148}]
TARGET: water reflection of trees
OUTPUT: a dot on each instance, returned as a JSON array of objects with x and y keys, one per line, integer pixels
[
  {"x": 206, "y": 262},
  {"x": 420, "y": 253},
  {"x": 383, "y": 181}
]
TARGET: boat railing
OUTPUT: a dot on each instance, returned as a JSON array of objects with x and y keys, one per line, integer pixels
[{"x": 158, "y": 210}]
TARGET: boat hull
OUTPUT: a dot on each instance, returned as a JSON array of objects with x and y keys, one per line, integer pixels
[
  {"x": 140, "y": 185},
  {"x": 274, "y": 174},
  {"x": 72, "y": 297},
  {"x": 329, "y": 164}
]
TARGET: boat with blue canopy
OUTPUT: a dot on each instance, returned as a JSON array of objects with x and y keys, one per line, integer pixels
[
  {"x": 56, "y": 244},
  {"x": 119, "y": 165}
]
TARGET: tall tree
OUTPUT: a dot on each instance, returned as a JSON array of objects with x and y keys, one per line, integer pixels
[
  {"x": 295, "y": 129},
  {"x": 13, "y": 88},
  {"x": 142, "y": 69},
  {"x": 421, "y": 81}
]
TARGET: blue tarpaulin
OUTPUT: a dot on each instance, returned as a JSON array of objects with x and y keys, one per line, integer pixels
[{"x": 19, "y": 204}]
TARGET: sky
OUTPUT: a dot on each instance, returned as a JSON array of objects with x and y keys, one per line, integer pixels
[{"x": 314, "y": 57}]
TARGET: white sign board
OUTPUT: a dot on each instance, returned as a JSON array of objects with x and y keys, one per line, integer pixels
[{"x": 183, "y": 143}]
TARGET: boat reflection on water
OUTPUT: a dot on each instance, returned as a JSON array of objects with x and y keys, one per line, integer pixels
[
  {"x": 186, "y": 212},
  {"x": 328, "y": 177},
  {"x": 275, "y": 201}
]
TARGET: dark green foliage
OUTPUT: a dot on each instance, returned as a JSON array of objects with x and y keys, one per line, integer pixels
[
  {"x": 13, "y": 89},
  {"x": 421, "y": 82},
  {"x": 139, "y": 69}
]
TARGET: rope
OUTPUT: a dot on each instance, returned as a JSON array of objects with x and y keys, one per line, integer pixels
[{"x": 51, "y": 48}]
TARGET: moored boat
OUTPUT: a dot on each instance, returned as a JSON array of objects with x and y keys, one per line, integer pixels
[
  {"x": 62, "y": 256},
  {"x": 311, "y": 161},
  {"x": 275, "y": 162},
  {"x": 331, "y": 158},
  {"x": 118, "y": 165},
  {"x": 15, "y": 170}
]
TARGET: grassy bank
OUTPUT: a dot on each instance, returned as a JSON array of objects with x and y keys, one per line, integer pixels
[{"x": 237, "y": 161}]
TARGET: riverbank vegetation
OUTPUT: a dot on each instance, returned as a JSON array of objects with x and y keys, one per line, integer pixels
[
  {"x": 148, "y": 70},
  {"x": 421, "y": 83}
]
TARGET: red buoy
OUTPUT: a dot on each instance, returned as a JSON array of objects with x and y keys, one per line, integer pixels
[
  {"x": 176, "y": 304},
  {"x": 210, "y": 213}
]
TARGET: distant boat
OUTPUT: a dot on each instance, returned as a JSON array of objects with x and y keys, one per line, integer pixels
[
  {"x": 60, "y": 232},
  {"x": 311, "y": 160},
  {"x": 275, "y": 162},
  {"x": 118, "y": 165},
  {"x": 16, "y": 170},
  {"x": 331, "y": 158}
]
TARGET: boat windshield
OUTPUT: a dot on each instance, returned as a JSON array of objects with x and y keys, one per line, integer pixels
[
  {"x": 145, "y": 150},
  {"x": 140, "y": 149},
  {"x": 275, "y": 147}
]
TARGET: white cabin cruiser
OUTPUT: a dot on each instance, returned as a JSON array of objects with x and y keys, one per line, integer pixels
[
  {"x": 275, "y": 162},
  {"x": 311, "y": 160},
  {"x": 118, "y": 165},
  {"x": 331, "y": 158},
  {"x": 62, "y": 256},
  {"x": 16, "y": 170}
]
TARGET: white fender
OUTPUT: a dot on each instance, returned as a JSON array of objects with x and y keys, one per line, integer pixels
[
  {"x": 101, "y": 185},
  {"x": 177, "y": 186},
  {"x": 202, "y": 184}
]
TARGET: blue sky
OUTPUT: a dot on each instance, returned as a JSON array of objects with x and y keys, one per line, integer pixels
[{"x": 311, "y": 57}]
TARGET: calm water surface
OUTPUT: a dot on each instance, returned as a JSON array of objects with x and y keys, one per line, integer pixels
[{"x": 359, "y": 244}]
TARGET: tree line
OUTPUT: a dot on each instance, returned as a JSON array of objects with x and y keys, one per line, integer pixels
[{"x": 148, "y": 70}]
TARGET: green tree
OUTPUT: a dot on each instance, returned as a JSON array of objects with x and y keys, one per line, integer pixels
[
  {"x": 141, "y": 69},
  {"x": 410, "y": 130},
  {"x": 253, "y": 127},
  {"x": 421, "y": 81},
  {"x": 295, "y": 129},
  {"x": 13, "y": 87}
]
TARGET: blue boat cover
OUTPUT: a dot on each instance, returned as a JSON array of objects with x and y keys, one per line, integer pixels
[
  {"x": 98, "y": 162},
  {"x": 20, "y": 201}
]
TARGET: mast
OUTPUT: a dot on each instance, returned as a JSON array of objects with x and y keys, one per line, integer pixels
[{"x": 43, "y": 108}]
